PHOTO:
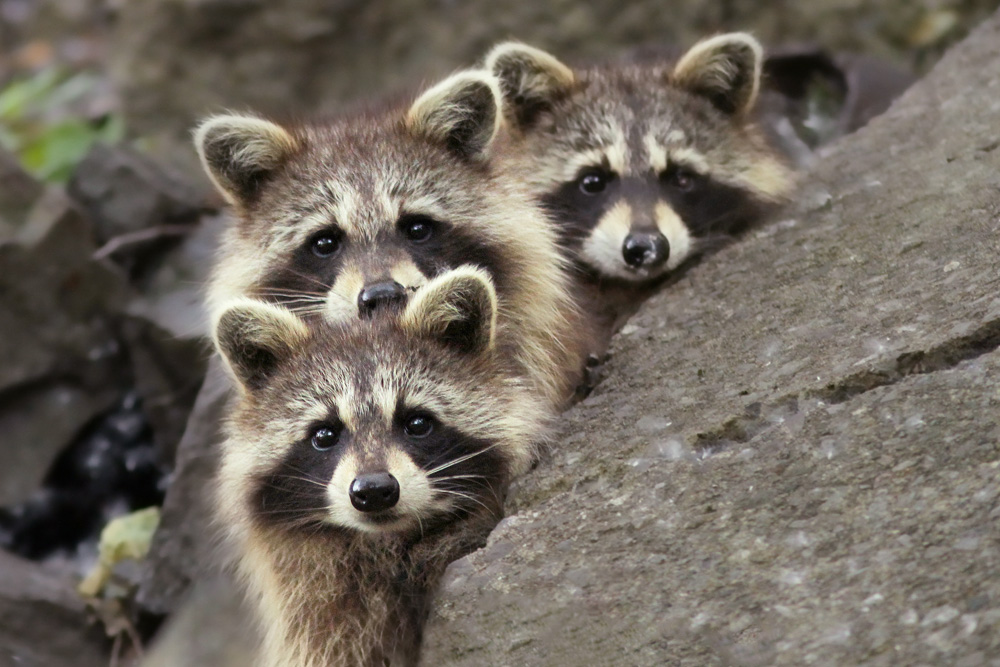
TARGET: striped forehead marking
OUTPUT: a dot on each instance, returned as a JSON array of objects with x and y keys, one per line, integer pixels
[
  {"x": 347, "y": 407},
  {"x": 360, "y": 215},
  {"x": 393, "y": 385},
  {"x": 675, "y": 137},
  {"x": 612, "y": 155},
  {"x": 616, "y": 151},
  {"x": 424, "y": 204},
  {"x": 656, "y": 153},
  {"x": 672, "y": 148},
  {"x": 385, "y": 391},
  {"x": 691, "y": 158}
]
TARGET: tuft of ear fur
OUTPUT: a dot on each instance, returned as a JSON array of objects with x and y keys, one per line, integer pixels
[
  {"x": 238, "y": 152},
  {"x": 458, "y": 307},
  {"x": 530, "y": 80},
  {"x": 462, "y": 112},
  {"x": 725, "y": 69},
  {"x": 255, "y": 337}
]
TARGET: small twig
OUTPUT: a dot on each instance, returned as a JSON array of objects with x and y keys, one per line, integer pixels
[
  {"x": 142, "y": 236},
  {"x": 116, "y": 649},
  {"x": 133, "y": 635}
]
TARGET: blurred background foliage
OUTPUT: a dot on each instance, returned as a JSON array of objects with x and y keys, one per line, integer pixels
[{"x": 38, "y": 123}]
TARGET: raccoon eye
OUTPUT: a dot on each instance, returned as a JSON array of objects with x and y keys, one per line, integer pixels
[
  {"x": 593, "y": 182},
  {"x": 325, "y": 437},
  {"x": 681, "y": 178},
  {"x": 325, "y": 244},
  {"x": 417, "y": 228},
  {"x": 419, "y": 425}
]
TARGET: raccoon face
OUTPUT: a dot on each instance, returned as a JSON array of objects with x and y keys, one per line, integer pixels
[
  {"x": 642, "y": 166},
  {"x": 392, "y": 428},
  {"x": 339, "y": 219}
]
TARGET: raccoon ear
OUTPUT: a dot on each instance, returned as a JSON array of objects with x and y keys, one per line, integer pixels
[
  {"x": 238, "y": 152},
  {"x": 725, "y": 69},
  {"x": 462, "y": 112},
  {"x": 458, "y": 307},
  {"x": 255, "y": 337},
  {"x": 530, "y": 80}
]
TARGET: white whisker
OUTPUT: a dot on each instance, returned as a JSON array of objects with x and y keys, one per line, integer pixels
[{"x": 461, "y": 459}]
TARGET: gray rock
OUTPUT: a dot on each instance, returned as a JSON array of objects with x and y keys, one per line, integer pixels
[
  {"x": 52, "y": 208},
  {"x": 60, "y": 360},
  {"x": 167, "y": 372},
  {"x": 43, "y": 621},
  {"x": 794, "y": 457},
  {"x": 69, "y": 351},
  {"x": 140, "y": 209},
  {"x": 184, "y": 549},
  {"x": 125, "y": 192},
  {"x": 174, "y": 297},
  {"x": 215, "y": 604},
  {"x": 18, "y": 192}
]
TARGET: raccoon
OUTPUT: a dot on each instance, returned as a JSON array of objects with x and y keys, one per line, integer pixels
[
  {"x": 641, "y": 165},
  {"x": 360, "y": 460},
  {"x": 336, "y": 219}
]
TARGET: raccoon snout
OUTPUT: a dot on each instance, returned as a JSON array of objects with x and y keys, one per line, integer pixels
[
  {"x": 645, "y": 250},
  {"x": 374, "y": 492},
  {"x": 378, "y": 295}
]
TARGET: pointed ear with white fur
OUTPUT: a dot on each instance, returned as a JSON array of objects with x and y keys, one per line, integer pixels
[
  {"x": 255, "y": 338},
  {"x": 458, "y": 307},
  {"x": 530, "y": 80},
  {"x": 462, "y": 112},
  {"x": 725, "y": 69},
  {"x": 239, "y": 152}
]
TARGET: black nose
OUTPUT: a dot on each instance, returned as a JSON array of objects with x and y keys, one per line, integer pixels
[
  {"x": 374, "y": 492},
  {"x": 645, "y": 250},
  {"x": 377, "y": 295}
]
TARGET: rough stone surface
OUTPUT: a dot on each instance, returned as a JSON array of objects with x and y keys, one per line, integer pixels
[
  {"x": 127, "y": 192},
  {"x": 216, "y": 604},
  {"x": 185, "y": 549},
  {"x": 42, "y": 620},
  {"x": 60, "y": 363},
  {"x": 176, "y": 60},
  {"x": 18, "y": 192},
  {"x": 168, "y": 372},
  {"x": 794, "y": 458},
  {"x": 140, "y": 209}
]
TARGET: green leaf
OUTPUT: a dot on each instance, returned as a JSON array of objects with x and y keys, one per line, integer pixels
[
  {"x": 20, "y": 97},
  {"x": 53, "y": 154},
  {"x": 35, "y": 122}
]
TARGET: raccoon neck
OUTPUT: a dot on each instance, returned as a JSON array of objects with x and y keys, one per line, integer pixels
[
  {"x": 348, "y": 599},
  {"x": 541, "y": 319}
]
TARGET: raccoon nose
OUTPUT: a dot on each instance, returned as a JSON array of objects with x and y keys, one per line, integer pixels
[
  {"x": 645, "y": 250},
  {"x": 374, "y": 492},
  {"x": 377, "y": 295}
]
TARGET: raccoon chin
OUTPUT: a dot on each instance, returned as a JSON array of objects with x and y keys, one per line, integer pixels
[{"x": 390, "y": 523}]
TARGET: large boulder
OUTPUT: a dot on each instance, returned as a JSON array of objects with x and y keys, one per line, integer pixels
[{"x": 795, "y": 457}]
